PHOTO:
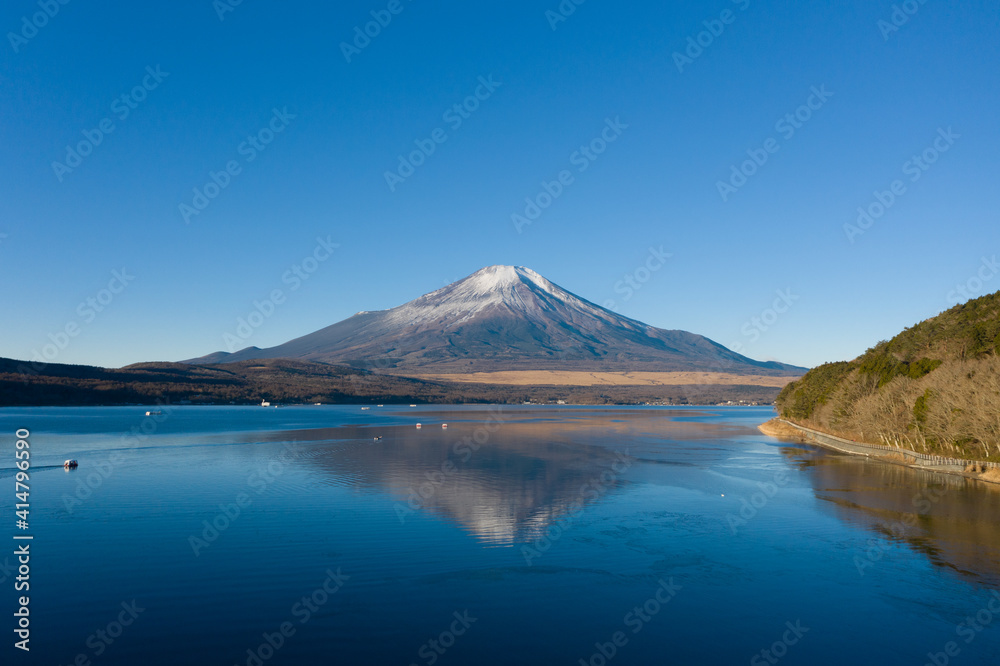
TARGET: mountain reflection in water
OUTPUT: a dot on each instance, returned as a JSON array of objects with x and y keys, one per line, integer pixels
[{"x": 505, "y": 478}]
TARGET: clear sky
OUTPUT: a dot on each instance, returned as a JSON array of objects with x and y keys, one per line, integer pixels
[{"x": 190, "y": 89}]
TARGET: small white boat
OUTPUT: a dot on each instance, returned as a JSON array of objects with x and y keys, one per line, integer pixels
[
  {"x": 444, "y": 425},
  {"x": 365, "y": 409},
  {"x": 71, "y": 464},
  {"x": 379, "y": 438},
  {"x": 419, "y": 426},
  {"x": 412, "y": 405},
  {"x": 152, "y": 413}
]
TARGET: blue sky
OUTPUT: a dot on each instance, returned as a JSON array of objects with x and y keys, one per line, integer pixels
[{"x": 887, "y": 95}]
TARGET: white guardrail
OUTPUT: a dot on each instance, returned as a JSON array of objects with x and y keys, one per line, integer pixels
[{"x": 932, "y": 459}]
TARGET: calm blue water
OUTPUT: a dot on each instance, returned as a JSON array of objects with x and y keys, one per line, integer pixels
[{"x": 522, "y": 536}]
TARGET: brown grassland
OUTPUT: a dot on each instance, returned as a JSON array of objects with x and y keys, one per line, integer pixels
[{"x": 576, "y": 378}]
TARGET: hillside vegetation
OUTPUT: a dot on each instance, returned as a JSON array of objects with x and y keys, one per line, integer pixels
[{"x": 933, "y": 388}]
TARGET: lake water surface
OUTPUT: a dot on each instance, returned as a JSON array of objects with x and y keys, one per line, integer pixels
[{"x": 518, "y": 535}]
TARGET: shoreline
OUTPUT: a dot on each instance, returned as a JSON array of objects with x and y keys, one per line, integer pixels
[{"x": 781, "y": 429}]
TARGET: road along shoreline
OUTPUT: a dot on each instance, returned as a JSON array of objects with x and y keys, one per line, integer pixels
[{"x": 970, "y": 469}]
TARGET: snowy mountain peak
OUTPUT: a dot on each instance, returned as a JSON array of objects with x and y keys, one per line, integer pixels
[
  {"x": 493, "y": 279},
  {"x": 507, "y": 288},
  {"x": 500, "y": 278}
]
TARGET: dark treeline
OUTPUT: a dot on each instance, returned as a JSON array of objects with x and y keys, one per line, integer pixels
[{"x": 285, "y": 381}]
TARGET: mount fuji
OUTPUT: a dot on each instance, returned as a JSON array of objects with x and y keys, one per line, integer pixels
[{"x": 506, "y": 318}]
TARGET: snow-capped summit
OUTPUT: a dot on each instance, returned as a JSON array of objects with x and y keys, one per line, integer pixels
[
  {"x": 494, "y": 284},
  {"x": 506, "y": 318},
  {"x": 510, "y": 290},
  {"x": 494, "y": 278}
]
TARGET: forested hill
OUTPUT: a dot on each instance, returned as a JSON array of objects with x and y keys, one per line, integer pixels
[{"x": 935, "y": 387}]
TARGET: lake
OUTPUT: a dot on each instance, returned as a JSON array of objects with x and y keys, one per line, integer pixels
[{"x": 516, "y": 535}]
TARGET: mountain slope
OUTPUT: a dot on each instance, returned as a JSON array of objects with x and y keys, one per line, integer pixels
[
  {"x": 935, "y": 387},
  {"x": 506, "y": 318}
]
